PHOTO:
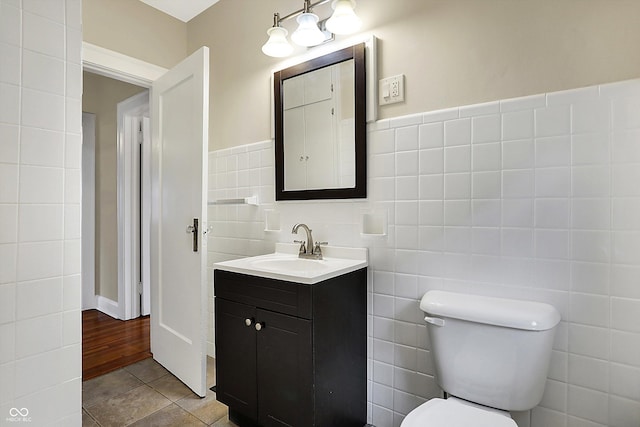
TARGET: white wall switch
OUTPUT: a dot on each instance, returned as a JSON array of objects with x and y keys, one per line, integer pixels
[{"x": 391, "y": 90}]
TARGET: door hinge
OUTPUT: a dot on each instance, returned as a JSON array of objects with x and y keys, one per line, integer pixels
[
  {"x": 140, "y": 288},
  {"x": 140, "y": 134}
]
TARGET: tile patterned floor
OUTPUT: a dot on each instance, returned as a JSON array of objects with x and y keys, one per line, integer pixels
[{"x": 146, "y": 394}]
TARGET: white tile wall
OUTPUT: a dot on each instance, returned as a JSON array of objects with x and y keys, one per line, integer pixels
[
  {"x": 40, "y": 152},
  {"x": 534, "y": 198}
]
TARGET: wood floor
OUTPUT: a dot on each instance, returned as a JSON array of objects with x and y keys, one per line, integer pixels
[{"x": 109, "y": 344}]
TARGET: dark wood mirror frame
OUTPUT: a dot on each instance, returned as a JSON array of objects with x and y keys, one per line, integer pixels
[{"x": 357, "y": 53}]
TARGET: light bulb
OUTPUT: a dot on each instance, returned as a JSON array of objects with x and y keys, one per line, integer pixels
[
  {"x": 308, "y": 33},
  {"x": 277, "y": 45},
  {"x": 344, "y": 20}
]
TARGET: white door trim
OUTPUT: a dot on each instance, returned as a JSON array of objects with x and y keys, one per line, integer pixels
[
  {"x": 130, "y": 114},
  {"x": 88, "y": 245},
  {"x": 121, "y": 67}
]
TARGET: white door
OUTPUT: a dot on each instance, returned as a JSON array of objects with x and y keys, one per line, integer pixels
[{"x": 179, "y": 116}]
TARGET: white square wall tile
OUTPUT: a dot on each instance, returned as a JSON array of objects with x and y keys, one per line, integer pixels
[
  {"x": 626, "y": 146},
  {"x": 407, "y": 138},
  {"x": 9, "y": 187},
  {"x": 10, "y": 105},
  {"x": 40, "y": 222},
  {"x": 517, "y": 212},
  {"x": 517, "y": 183},
  {"x": 590, "y": 404},
  {"x": 72, "y": 186},
  {"x": 43, "y": 35},
  {"x": 39, "y": 260},
  {"x": 41, "y": 147},
  {"x": 553, "y": 121},
  {"x": 625, "y": 348},
  {"x": 457, "y": 186},
  {"x": 457, "y": 159},
  {"x": 38, "y": 335},
  {"x": 626, "y": 113},
  {"x": 517, "y": 125},
  {"x": 486, "y": 213},
  {"x": 518, "y": 154},
  {"x": 624, "y": 180},
  {"x": 623, "y": 412},
  {"x": 591, "y": 117},
  {"x": 553, "y": 151},
  {"x": 590, "y": 341},
  {"x": 432, "y": 161},
  {"x": 626, "y": 247},
  {"x": 625, "y": 314},
  {"x": 9, "y": 143},
  {"x": 552, "y": 244},
  {"x": 553, "y": 182},
  {"x": 10, "y": 70},
  {"x": 590, "y": 277},
  {"x": 625, "y": 381},
  {"x": 486, "y": 185},
  {"x": 9, "y": 221},
  {"x": 552, "y": 213},
  {"x": 432, "y": 187},
  {"x": 487, "y": 157},
  {"x": 406, "y": 163},
  {"x": 41, "y": 184},
  {"x": 7, "y": 303},
  {"x": 38, "y": 298},
  {"x": 431, "y": 135},
  {"x": 486, "y": 128},
  {"x": 590, "y": 181},
  {"x": 8, "y": 257},
  {"x": 43, "y": 72},
  {"x": 590, "y": 148},
  {"x": 43, "y": 110},
  {"x": 591, "y": 214},
  {"x": 589, "y": 372},
  {"x": 589, "y": 309},
  {"x": 457, "y": 132},
  {"x": 626, "y": 213}
]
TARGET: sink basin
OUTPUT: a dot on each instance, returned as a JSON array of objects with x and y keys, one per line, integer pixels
[
  {"x": 293, "y": 265},
  {"x": 285, "y": 264}
]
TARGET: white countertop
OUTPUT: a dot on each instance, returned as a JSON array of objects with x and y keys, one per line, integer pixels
[{"x": 285, "y": 264}]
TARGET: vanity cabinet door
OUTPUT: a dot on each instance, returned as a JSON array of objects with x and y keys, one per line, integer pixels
[
  {"x": 284, "y": 353},
  {"x": 236, "y": 356}
]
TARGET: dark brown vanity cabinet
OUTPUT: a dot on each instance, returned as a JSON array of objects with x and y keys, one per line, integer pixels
[{"x": 290, "y": 354}]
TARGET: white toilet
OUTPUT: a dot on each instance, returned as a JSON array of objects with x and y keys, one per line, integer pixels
[{"x": 491, "y": 355}]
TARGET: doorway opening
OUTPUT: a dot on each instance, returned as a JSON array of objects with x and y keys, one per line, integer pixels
[{"x": 115, "y": 239}]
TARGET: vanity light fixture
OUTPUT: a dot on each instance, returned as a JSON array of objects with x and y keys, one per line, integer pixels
[{"x": 342, "y": 21}]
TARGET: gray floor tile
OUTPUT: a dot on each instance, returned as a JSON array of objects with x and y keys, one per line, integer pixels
[
  {"x": 171, "y": 416},
  {"x": 147, "y": 370},
  {"x": 207, "y": 409},
  {"x": 170, "y": 387},
  {"x": 106, "y": 386},
  {"x": 129, "y": 407}
]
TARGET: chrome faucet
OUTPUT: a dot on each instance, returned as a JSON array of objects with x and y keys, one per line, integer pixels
[{"x": 308, "y": 249}]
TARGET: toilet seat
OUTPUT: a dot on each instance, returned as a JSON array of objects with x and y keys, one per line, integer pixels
[{"x": 454, "y": 412}]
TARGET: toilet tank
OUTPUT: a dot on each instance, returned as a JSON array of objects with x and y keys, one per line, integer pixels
[{"x": 492, "y": 351}]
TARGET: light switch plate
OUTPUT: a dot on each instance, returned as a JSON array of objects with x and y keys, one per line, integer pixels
[{"x": 391, "y": 90}]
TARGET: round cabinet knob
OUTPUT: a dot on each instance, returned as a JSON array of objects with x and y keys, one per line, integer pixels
[
  {"x": 258, "y": 326},
  {"x": 248, "y": 322}
]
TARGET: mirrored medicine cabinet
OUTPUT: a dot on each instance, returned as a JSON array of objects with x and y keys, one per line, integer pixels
[{"x": 320, "y": 127}]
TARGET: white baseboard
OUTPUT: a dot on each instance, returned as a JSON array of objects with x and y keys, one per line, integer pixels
[{"x": 107, "y": 306}]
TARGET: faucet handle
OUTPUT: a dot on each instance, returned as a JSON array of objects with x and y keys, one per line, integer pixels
[
  {"x": 303, "y": 248},
  {"x": 317, "y": 248}
]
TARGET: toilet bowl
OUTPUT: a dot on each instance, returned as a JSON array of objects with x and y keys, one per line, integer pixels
[
  {"x": 454, "y": 412},
  {"x": 490, "y": 354}
]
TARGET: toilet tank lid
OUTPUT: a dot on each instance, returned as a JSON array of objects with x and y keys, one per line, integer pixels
[{"x": 510, "y": 313}]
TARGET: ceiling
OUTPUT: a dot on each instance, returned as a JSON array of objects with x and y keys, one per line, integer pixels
[{"x": 183, "y": 10}]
